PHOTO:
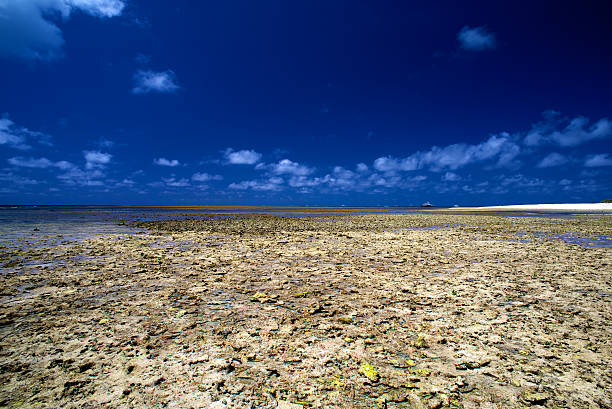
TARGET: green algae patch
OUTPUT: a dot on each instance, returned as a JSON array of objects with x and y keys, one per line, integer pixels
[{"x": 369, "y": 371}]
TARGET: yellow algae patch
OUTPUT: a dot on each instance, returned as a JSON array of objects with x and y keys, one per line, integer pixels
[
  {"x": 369, "y": 371},
  {"x": 335, "y": 383},
  {"x": 420, "y": 342}
]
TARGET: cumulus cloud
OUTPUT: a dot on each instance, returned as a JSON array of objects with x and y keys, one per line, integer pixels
[
  {"x": 286, "y": 167},
  {"x": 451, "y": 177},
  {"x": 270, "y": 184},
  {"x": 522, "y": 181},
  {"x": 476, "y": 39},
  {"x": 594, "y": 161},
  {"x": 500, "y": 148},
  {"x": 77, "y": 176},
  {"x": 551, "y": 160},
  {"x": 565, "y": 132},
  {"x": 16, "y": 137},
  {"x": 71, "y": 174},
  {"x": 146, "y": 81},
  {"x": 17, "y": 180},
  {"x": 173, "y": 182},
  {"x": 39, "y": 163},
  {"x": 242, "y": 157},
  {"x": 205, "y": 177},
  {"x": 28, "y": 28},
  {"x": 96, "y": 159},
  {"x": 166, "y": 162},
  {"x": 360, "y": 180}
]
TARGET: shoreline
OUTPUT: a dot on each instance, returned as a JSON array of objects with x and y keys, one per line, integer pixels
[{"x": 589, "y": 207}]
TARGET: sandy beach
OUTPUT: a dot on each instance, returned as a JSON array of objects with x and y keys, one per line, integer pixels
[
  {"x": 351, "y": 311},
  {"x": 598, "y": 207}
]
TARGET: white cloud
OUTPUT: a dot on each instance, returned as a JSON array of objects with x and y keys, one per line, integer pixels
[
  {"x": 270, "y": 184},
  {"x": 28, "y": 29},
  {"x": 166, "y": 162},
  {"x": 345, "y": 180},
  {"x": 126, "y": 183},
  {"x": 594, "y": 161},
  {"x": 76, "y": 176},
  {"x": 96, "y": 159},
  {"x": 287, "y": 167},
  {"x": 498, "y": 147},
  {"x": 17, "y": 137},
  {"x": 205, "y": 177},
  {"x": 40, "y": 163},
  {"x": 476, "y": 39},
  {"x": 552, "y": 159},
  {"x": 72, "y": 174},
  {"x": 146, "y": 81},
  {"x": 451, "y": 177},
  {"x": 242, "y": 157},
  {"x": 557, "y": 130},
  {"x": 105, "y": 143},
  {"x": 520, "y": 180},
  {"x": 98, "y": 8},
  {"x": 10, "y": 177},
  {"x": 172, "y": 182}
]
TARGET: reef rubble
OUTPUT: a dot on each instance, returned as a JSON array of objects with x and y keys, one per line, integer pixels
[{"x": 348, "y": 311}]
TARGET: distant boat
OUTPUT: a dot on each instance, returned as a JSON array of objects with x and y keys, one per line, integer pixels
[{"x": 426, "y": 204}]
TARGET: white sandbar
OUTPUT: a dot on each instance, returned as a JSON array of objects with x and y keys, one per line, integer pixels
[{"x": 606, "y": 207}]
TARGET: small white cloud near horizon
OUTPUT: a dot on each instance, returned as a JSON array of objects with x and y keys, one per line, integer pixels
[
  {"x": 269, "y": 185},
  {"x": 599, "y": 160},
  {"x": 146, "y": 81},
  {"x": 476, "y": 39},
  {"x": 552, "y": 159},
  {"x": 29, "y": 31},
  {"x": 166, "y": 162},
  {"x": 96, "y": 159},
  {"x": 287, "y": 167},
  {"x": 173, "y": 182},
  {"x": 205, "y": 177},
  {"x": 242, "y": 157}
]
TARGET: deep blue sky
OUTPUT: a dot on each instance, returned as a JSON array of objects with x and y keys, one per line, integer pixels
[{"x": 304, "y": 102}]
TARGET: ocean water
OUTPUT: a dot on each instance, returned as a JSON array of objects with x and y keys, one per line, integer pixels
[{"x": 24, "y": 225}]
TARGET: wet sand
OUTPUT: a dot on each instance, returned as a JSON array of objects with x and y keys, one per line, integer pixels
[{"x": 377, "y": 310}]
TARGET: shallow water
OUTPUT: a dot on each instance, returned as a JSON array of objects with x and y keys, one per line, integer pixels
[{"x": 39, "y": 226}]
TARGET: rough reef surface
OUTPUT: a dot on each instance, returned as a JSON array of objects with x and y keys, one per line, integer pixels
[{"x": 360, "y": 311}]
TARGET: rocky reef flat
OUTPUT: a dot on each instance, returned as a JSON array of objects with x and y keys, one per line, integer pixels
[{"x": 349, "y": 311}]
